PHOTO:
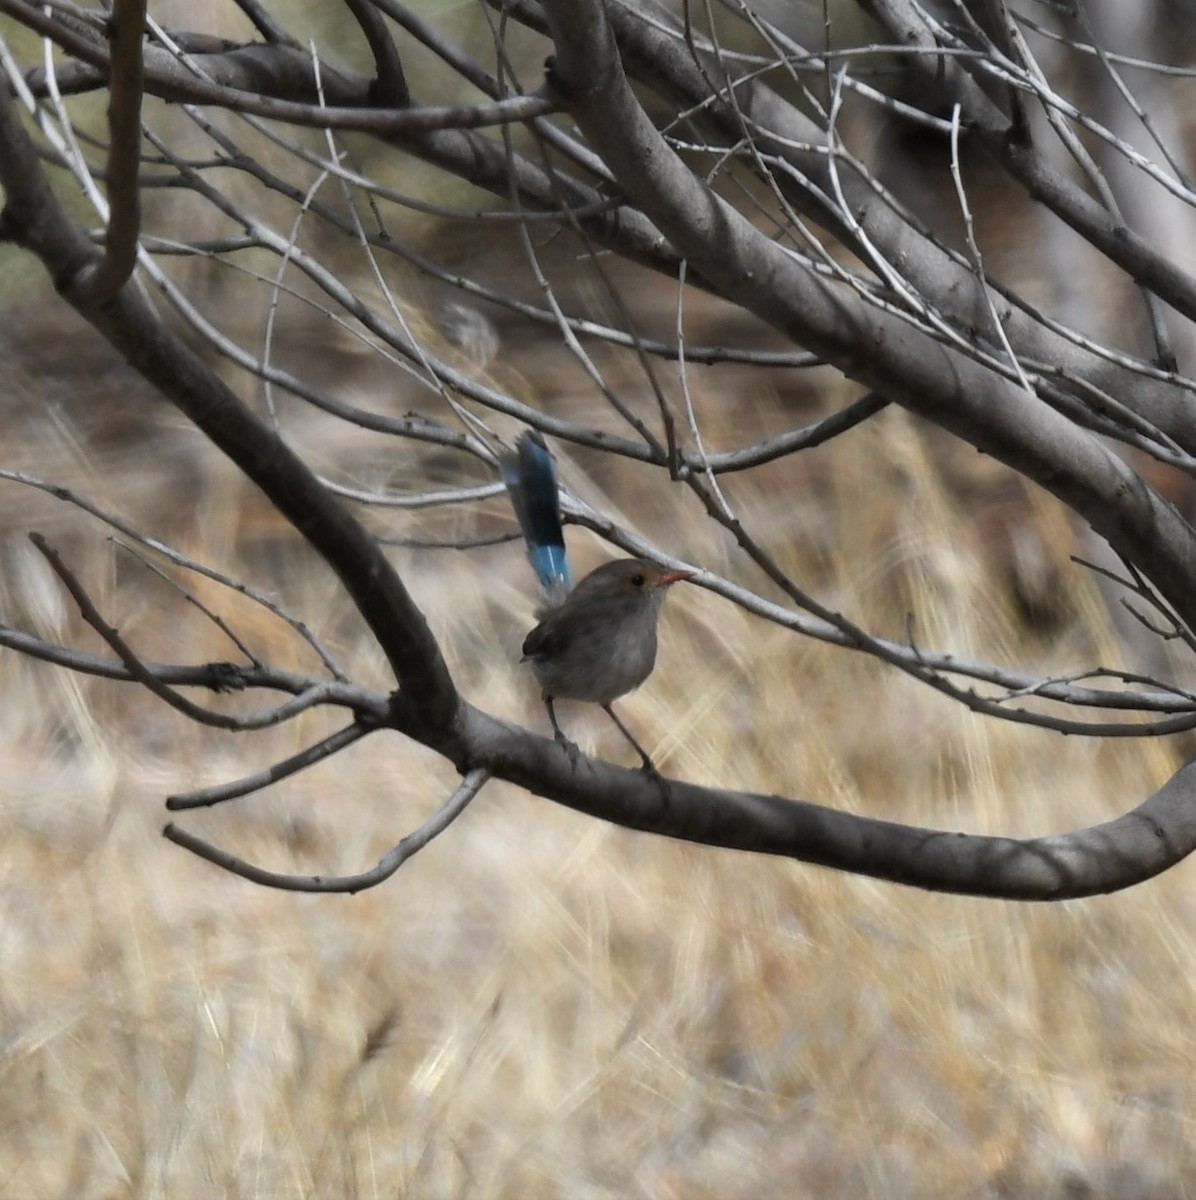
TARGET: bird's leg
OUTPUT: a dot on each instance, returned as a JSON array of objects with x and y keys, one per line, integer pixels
[
  {"x": 649, "y": 767},
  {"x": 569, "y": 746}
]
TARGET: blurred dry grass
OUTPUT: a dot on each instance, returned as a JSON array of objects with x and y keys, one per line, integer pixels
[{"x": 540, "y": 1006}]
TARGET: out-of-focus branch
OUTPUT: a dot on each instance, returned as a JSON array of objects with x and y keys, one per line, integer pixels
[
  {"x": 265, "y": 23},
  {"x": 286, "y": 72},
  {"x": 821, "y": 432},
  {"x": 1088, "y": 217}
]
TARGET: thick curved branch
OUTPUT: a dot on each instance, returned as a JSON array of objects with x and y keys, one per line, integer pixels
[
  {"x": 281, "y": 70},
  {"x": 390, "y": 86},
  {"x": 868, "y": 344},
  {"x": 1104, "y": 858}
]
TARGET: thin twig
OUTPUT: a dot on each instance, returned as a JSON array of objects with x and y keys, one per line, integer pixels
[
  {"x": 193, "y": 599},
  {"x": 181, "y": 560},
  {"x": 456, "y": 804},
  {"x": 321, "y": 750},
  {"x": 140, "y": 672}
]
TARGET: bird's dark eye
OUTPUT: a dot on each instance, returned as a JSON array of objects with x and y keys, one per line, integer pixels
[{"x": 637, "y": 581}]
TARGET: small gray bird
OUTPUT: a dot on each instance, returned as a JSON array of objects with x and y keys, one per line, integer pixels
[
  {"x": 600, "y": 642},
  {"x": 596, "y": 642}
]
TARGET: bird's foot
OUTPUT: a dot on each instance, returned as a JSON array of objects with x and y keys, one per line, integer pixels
[
  {"x": 569, "y": 747},
  {"x": 649, "y": 771}
]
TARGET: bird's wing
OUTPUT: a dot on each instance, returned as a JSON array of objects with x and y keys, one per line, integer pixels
[{"x": 539, "y": 641}]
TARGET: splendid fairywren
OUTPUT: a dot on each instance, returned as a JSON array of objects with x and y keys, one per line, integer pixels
[{"x": 595, "y": 642}]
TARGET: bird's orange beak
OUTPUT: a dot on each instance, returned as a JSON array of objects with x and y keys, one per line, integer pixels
[{"x": 671, "y": 577}]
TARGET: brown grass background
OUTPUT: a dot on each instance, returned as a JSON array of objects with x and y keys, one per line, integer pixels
[{"x": 539, "y": 1005}]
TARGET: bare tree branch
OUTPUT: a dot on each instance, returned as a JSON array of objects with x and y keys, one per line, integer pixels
[
  {"x": 140, "y": 672},
  {"x": 127, "y": 26},
  {"x": 906, "y": 24},
  {"x": 181, "y": 560},
  {"x": 308, "y": 757},
  {"x": 1118, "y": 854},
  {"x": 471, "y": 784},
  {"x": 390, "y": 86},
  {"x": 163, "y": 76}
]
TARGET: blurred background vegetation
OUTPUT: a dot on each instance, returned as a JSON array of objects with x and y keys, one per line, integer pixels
[{"x": 539, "y": 1005}]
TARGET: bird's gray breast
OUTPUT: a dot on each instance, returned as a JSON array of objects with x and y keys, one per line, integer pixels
[{"x": 609, "y": 654}]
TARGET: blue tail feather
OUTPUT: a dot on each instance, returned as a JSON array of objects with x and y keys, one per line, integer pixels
[{"x": 531, "y": 479}]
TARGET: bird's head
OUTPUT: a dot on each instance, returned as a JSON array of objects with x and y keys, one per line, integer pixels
[{"x": 629, "y": 577}]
